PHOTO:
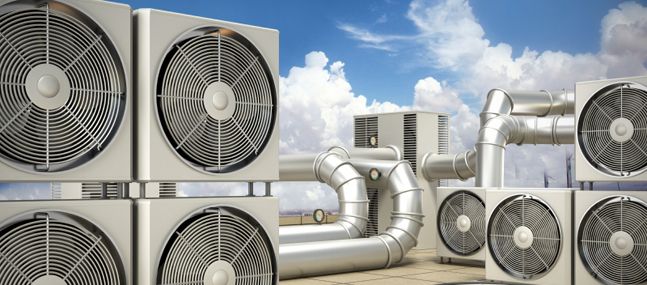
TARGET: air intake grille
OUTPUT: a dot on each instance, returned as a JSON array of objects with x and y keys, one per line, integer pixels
[
  {"x": 54, "y": 248},
  {"x": 219, "y": 241},
  {"x": 612, "y": 129},
  {"x": 94, "y": 190},
  {"x": 411, "y": 140},
  {"x": 461, "y": 223},
  {"x": 612, "y": 240},
  {"x": 216, "y": 100},
  {"x": 373, "y": 212},
  {"x": 443, "y": 140},
  {"x": 366, "y": 133},
  {"x": 62, "y": 87},
  {"x": 167, "y": 190},
  {"x": 524, "y": 236}
]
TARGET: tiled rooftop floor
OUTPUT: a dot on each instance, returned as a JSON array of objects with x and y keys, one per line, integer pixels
[{"x": 420, "y": 267}]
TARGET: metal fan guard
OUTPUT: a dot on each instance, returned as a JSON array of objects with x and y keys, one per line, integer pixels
[
  {"x": 445, "y": 204},
  {"x": 232, "y": 211},
  {"x": 583, "y": 250},
  {"x": 199, "y": 157},
  {"x": 58, "y": 140},
  {"x": 59, "y": 254},
  {"x": 491, "y": 245},
  {"x": 601, "y": 136}
]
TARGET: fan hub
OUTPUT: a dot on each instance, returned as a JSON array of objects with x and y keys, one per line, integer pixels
[
  {"x": 463, "y": 223},
  {"x": 621, "y": 130},
  {"x": 621, "y": 243},
  {"x": 47, "y": 86},
  {"x": 220, "y": 273},
  {"x": 49, "y": 280},
  {"x": 219, "y": 100},
  {"x": 523, "y": 237}
]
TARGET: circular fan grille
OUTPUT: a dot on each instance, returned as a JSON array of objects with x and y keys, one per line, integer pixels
[
  {"x": 612, "y": 129},
  {"x": 524, "y": 236},
  {"x": 219, "y": 244},
  {"x": 56, "y": 248},
  {"x": 461, "y": 223},
  {"x": 612, "y": 240},
  {"x": 216, "y": 100},
  {"x": 61, "y": 87}
]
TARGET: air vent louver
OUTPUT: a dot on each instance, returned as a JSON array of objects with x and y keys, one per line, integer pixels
[
  {"x": 443, "y": 140},
  {"x": 372, "y": 226},
  {"x": 411, "y": 140},
  {"x": 366, "y": 133},
  {"x": 461, "y": 223}
]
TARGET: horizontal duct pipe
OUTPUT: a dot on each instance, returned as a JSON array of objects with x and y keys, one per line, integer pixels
[
  {"x": 328, "y": 257},
  {"x": 449, "y": 166},
  {"x": 527, "y": 103}
]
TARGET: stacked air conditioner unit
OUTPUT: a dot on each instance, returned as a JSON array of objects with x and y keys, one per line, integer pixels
[
  {"x": 414, "y": 134},
  {"x": 461, "y": 223}
]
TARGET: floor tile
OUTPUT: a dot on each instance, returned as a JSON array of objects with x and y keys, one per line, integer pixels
[
  {"x": 446, "y": 276},
  {"x": 349, "y": 277},
  {"x": 395, "y": 280}
]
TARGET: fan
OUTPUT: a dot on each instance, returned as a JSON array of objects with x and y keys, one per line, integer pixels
[
  {"x": 524, "y": 236},
  {"x": 461, "y": 223},
  {"x": 612, "y": 129},
  {"x": 612, "y": 240},
  {"x": 56, "y": 248},
  {"x": 222, "y": 245},
  {"x": 216, "y": 100},
  {"x": 62, "y": 87}
]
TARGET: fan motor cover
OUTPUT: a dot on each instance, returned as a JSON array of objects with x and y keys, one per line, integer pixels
[{"x": 461, "y": 223}]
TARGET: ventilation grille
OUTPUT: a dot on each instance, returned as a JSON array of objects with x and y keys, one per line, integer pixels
[
  {"x": 612, "y": 240},
  {"x": 524, "y": 237},
  {"x": 612, "y": 129},
  {"x": 57, "y": 191},
  {"x": 220, "y": 239},
  {"x": 365, "y": 129},
  {"x": 461, "y": 223},
  {"x": 167, "y": 190},
  {"x": 51, "y": 248},
  {"x": 373, "y": 212},
  {"x": 410, "y": 135},
  {"x": 94, "y": 190},
  {"x": 216, "y": 100},
  {"x": 62, "y": 87},
  {"x": 443, "y": 140}
]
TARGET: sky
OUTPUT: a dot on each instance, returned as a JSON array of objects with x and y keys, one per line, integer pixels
[{"x": 342, "y": 58}]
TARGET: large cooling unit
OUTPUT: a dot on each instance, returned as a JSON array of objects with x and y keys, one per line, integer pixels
[
  {"x": 65, "y": 91},
  {"x": 414, "y": 134},
  {"x": 226, "y": 240},
  {"x": 461, "y": 223},
  {"x": 611, "y": 139},
  {"x": 66, "y": 242},
  {"x": 529, "y": 236},
  {"x": 610, "y": 237},
  {"x": 208, "y": 99}
]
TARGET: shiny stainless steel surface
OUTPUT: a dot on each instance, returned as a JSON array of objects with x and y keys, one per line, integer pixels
[
  {"x": 530, "y": 103},
  {"x": 449, "y": 166}
]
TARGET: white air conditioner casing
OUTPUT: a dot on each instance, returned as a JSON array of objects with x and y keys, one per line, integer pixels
[
  {"x": 65, "y": 112},
  {"x": 461, "y": 223},
  {"x": 89, "y": 242},
  {"x": 93, "y": 190},
  {"x": 529, "y": 235},
  {"x": 191, "y": 240},
  {"x": 414, "y": 134},
  {"x": 207, "y": 101},
  {"x": 611, "y": 130},
  {"x": 610, "y": 237}
]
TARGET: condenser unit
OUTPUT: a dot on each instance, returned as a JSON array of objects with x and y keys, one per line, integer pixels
[
  {"x": 65, "y": 91},
  {"x": 208, "y": 99},
  {"x": 610, "y": 237},
  {"x": 66, "y": 242},
  {"x": 414, "y": 134},
  {"x": 94, "y": 190},
  {"x": 226, "y": 240},
  {"x": 611, "y": 138},
  {"x": 529, "y": 236},
  {"x": 461, "y": 223}
]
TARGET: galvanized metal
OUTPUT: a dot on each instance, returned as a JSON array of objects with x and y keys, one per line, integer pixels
[{"x": 460, "y": 166}]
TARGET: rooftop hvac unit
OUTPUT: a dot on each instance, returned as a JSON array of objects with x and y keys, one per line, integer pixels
[
  {"x": 611, "y": 237},
  {"x": 414, "y": 134},
  {"x": 66, "y": 242},
  {"x": 208, "y": 99},
  {"x": 529, "y": 236},
  {"x": 461, "y": 223},
  {"x": 94, "y": 190},
  {"x": 65, "y": 91},
  {"x": 611, "y": 130},
  {"x": 207, "y": 241}
]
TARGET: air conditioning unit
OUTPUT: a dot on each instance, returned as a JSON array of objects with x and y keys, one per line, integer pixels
[
  {"x": 208, "y": 99},
  {"x": 611, "y": 130},
  {"x": 66, "y": 242},
  {"x": 610, "y": 237},
  {"x": 461, "y": 223},
  {"x": 529, "y": 236},
  {"x": 65, "y": 109},
  {"x": 415, "y": 134},
  {"x": 226, "y": 240},
  {"x": 94, "y": 190}
]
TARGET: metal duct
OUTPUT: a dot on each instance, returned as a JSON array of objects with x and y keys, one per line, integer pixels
[
  {"x": 539, "y": 103},
  {"x": 327, "y": 257},
  {"x": 389, "y": 152},
  {"x": 449, "y": 166},
  {"x": 502, "y": 130}
]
